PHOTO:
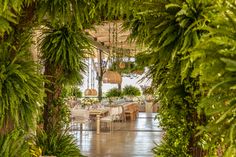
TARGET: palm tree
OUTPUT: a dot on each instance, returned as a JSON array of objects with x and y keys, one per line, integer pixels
[
  {"x": 63, "y": 53},
  {"x": 22, "y": 84}
]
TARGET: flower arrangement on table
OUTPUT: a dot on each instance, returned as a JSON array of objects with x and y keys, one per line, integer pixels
[{"x": 88, "y": 102}]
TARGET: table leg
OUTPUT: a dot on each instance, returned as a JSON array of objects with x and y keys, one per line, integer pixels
[{"x": 98, "y": 124}]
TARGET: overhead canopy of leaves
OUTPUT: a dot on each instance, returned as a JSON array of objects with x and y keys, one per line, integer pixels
[{"x": 10, "y": 13}]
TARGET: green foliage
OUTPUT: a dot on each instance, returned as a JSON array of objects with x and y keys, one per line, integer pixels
[
  {"x": 131, "y": 91},
  {"x": 60, "y": 144},
  {"x": 130, "y": 67},
  {"x": 141, "y": 59},
  {"x": 170, "y": 29},
  {"x": 10, "y": 14},
  {"x": 173, "y": 120},
  {"x": 114, "y": 9},
  {"x": 148, "y": 91},
  {"x": 114, "y": 92},
  {"x": 67, "y": 12},
  {"x": 63, "y": 47},
  {"x": 219, "y": 105},
  {"x": 84, "y": 13},
  {"x": 21, "y": 86},
  {"x": 63, "y": 113},
  {"x": 73, "y": 91},
  {"x": 14, "y": 144}
]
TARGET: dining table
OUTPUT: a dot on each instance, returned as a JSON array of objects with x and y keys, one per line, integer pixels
[{"x": 99, "y": 112}]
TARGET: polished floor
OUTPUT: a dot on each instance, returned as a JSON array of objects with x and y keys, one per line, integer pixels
[{"x": 128, "y": 139}]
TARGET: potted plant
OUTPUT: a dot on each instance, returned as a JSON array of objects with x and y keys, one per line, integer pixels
[
  {"x": 71, "y": 91},
  {"x": 113, "y": 93},
  {"x": 131, "y": 91}
]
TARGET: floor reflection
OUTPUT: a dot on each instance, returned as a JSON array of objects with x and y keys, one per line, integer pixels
[{"x": 130, "y": 139}]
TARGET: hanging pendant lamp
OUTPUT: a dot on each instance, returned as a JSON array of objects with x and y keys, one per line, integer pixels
[
  {"x": 122, "y": 65},
  {"x": 112, "y": 77},
  {"x": 90, "y": 91},
  {"x": 87, "y": 92},
  {"x": 93, "y": 92},
  {"x": 109, "y": 76}
]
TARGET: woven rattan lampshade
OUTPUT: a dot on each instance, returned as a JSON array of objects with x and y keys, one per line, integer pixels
[
  {"x": 112, "y": 77},
  {"x": 90, "y": 92},
  {"x": 93, "y": 92},
  {"x": 87, "y": 92},
  {"x": 122, "y": 65}
]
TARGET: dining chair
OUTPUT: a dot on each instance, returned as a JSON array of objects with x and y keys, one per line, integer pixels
[
  {"x": 79, "y": 116},
  {"x": 113, "y": 113}
]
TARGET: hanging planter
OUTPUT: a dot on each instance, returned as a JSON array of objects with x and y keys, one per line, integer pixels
[{"x": 112, "y": 77}]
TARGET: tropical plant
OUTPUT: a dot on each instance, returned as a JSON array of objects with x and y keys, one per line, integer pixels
[
  {"x": 148, "y": 90},
  {"x": 71, "y": 91},
  {"x": 130, "y": 90},
  {"x": 14, "y": 144},
  {"x": 60, "y": 144},
  {"x": 113, "y": 92},
  {"x": 219, "y": 105},
  {"x": 63, "y": 53},
  {"x": 10, "y": 14},
  {"x": 21, "y": 86},
  {"x": 62, "y": 44},
  {"x": 170, "y": 29}
]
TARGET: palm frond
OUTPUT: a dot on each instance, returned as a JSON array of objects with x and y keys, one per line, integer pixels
[
  {"x": 57, "y": 143},
  {"x": 64, "y": 47},
  {"x": 10, "y": 13},
  {"x": 14, "y": 144}
]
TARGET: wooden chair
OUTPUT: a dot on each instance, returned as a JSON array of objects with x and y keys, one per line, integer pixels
[{"x": 130, "y": 112}]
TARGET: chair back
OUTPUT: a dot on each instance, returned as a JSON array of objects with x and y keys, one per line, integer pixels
[{"x": 80, "y": 113}]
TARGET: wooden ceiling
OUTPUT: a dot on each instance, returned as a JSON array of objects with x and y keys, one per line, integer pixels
[{"x": 113, "y": 38}]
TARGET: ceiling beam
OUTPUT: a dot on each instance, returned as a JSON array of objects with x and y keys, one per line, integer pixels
[{"x": 98, "y": 44}]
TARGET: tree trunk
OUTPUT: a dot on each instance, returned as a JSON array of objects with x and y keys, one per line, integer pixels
[
  {"x": 49, "y": 98},
  {"x": 7, "y": 127},
  {"x": 100, "y": 75},
  {"x": 119, "y": 86},
  {"x": 194, "y": 149},
  {"x": 51, "y": 113},
  {"x": 100, "y": 88}
]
